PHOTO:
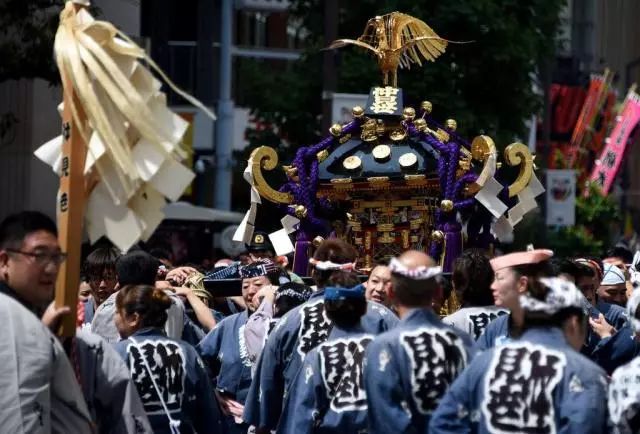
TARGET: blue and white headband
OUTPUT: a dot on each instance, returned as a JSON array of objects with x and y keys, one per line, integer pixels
[
  {"x": 419, "y": 273},
  {"x": 561, "y": 294},
  {"x": 334, "y": 293}
]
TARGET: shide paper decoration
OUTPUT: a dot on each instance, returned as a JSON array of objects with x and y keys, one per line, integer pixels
[{"x": 134, "y": 158}]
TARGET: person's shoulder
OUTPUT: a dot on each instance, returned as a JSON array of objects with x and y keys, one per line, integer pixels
[
  {"x": 18, "y": 314},
  {"x": 630, "y": 369},
  {"x": 108, "y": 305},
  {"x": 498, "y": 323},
  {"x": 379, "y": 309}
]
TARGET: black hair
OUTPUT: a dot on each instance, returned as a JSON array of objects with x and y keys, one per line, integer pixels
[
  {"x": 472, "y": 276},
  {"x": 100, "y": 260},
  {"x": 345, "y": 313},
  {"x": 160, "y": 253},
  {"x": 560, "y": 266},
  {"x": 334, "y": 250},
  {"x": 16, "y": 227},
  {"x": 148, "y": 302},
  {"x": 284, "y": 303},
  {"x": 622, "y": 252},
  {"x": 137, "y": 268}
]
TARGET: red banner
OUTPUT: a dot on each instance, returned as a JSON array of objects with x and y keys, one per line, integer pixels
[
  {"x": 596, "y": 96},
  {"x": 607, "y": 166}
]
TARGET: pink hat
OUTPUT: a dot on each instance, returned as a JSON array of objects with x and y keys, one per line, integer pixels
[{"x": 520, "y": 258}]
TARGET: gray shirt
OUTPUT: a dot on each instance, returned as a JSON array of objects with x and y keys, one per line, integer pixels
[
  {"x": 40, "y": 393},
  {"x": 104, "y": 325},
  {"x": 111, "y": 395},
  {"x": 473, "y": 320}
]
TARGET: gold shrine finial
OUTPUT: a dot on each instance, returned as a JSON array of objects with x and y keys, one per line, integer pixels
[{"x": 397, "y": 40}]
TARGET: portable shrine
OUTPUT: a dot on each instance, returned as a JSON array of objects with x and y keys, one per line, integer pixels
[{"x": 394, "y": 178}]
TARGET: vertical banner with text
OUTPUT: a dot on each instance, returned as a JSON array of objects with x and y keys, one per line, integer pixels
[{"x": 607, "y": 166}]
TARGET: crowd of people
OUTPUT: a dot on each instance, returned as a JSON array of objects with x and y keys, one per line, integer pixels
[{"x": 540, "y": 344}]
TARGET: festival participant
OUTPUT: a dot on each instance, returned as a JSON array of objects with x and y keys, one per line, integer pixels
[
  {"x": 169, "y": 375},
  {"x": 100, "y": 271},
  {"x": 301, "y": 330},
  {"x": 260, "y": 246},
  {"x": 471, "y": 278},
  {"x": 624, "y": 390},
  {"x": 609, "y": 342},
  {"x": 538, "y": 382},
  {"x": 136, "y": 268},
  {"x": 225, "y": 348},
  {"x": 409, "y": 368},
  {"x": 327, "y": 395},
  {"x": 377, "y": 285},
  {"x": 512, "y": 274},
  {"x": 274, "y": 302},
  {"x": 613, "y": 288},
  {"x": 40, "y": 390},
  {"x": 111, "y": 396}
]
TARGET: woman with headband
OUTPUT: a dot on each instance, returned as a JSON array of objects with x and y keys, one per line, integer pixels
[
  {"x": 328, "y": 394},
  {"x": 624, "y": 390},
  {"x": 537, "y": 383},
  {"x": 302, "y": 329},
  {"x": 513, "y": 273}
]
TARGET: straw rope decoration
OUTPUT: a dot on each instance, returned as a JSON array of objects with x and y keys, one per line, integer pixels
[{"x": 120, "y": 106}]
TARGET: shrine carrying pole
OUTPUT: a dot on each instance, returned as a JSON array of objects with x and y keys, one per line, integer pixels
[{"x": 70, "y": 207}]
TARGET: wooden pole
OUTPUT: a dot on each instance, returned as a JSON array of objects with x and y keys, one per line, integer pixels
[{"x": 70, "y": 210}]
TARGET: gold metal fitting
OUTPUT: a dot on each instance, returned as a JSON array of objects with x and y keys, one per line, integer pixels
[
  {"x": 357, "y": 111},
  {"x": 291, "y": 171},
  {"x": 407, "y": 160},
  {"x": 409, "y": 113},
  {"x": 317, "y": 241},
  {"x": 381, "y": 152},
  {"x": 420, "y": 124},
  {"x": 426, "y": 106},
  {"x": 437, "y": 237},
  {"x": 335, "y": 130},
  {"x": 398, "y": 135},
  {"x": 300, "y": 211},
  {"x": 322, "y": 155},
  {"x": 451, "y": 124},
  {"x": 352, "y": 163},
  {"x": 446, "y": 205}
]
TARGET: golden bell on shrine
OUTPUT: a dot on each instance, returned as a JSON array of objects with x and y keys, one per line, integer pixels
[
  {"x": 409, "y": 113},
  {"x": 437, "y": 237},
  {"x": 300, "y": 211},
  {"x": 451, "y": 124},
  {"x": 420, "y": 124},
  {"x": 446, "y": 205}
]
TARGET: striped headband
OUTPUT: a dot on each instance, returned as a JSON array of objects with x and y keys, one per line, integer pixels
[
  {"x": 419, "y": 273},
  {"x": 328, "y": 265}
]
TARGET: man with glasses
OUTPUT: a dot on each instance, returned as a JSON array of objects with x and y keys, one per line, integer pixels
[{"x": 40, "y": 389}]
